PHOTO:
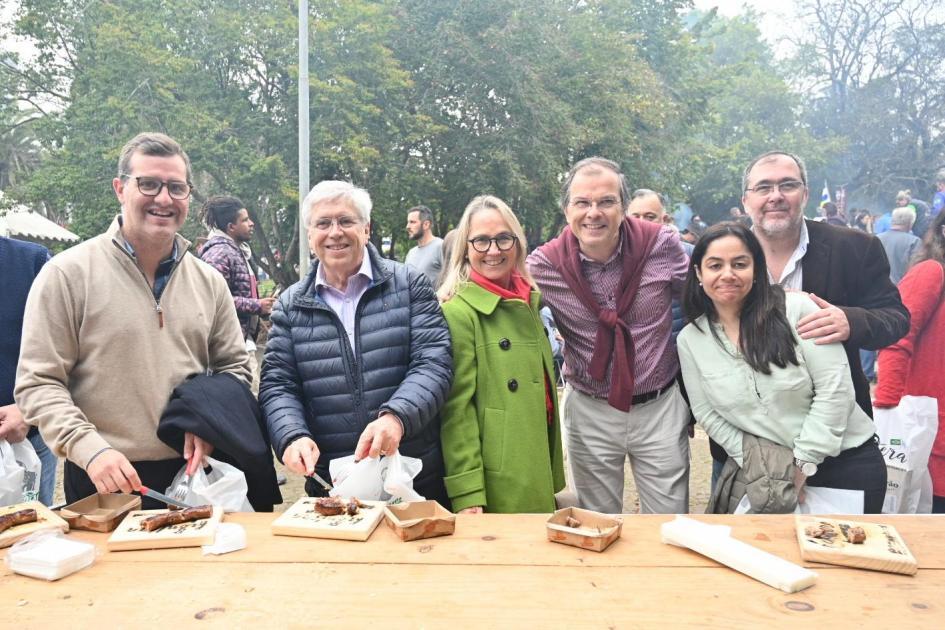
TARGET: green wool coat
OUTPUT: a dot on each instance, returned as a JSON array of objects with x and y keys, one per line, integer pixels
[{"x": 498, "y": 447}]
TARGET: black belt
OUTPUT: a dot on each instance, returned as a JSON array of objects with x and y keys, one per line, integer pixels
[{"x": 639, "y": 399}]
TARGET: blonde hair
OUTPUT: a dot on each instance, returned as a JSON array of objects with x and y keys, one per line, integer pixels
[{"x": 457, "y": 270}]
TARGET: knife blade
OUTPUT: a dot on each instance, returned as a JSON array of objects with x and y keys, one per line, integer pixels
[
  {"x": 324, "y": 484},
  {"x": 163, "y": 498}
]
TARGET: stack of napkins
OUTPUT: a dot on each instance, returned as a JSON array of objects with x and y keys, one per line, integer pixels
[{"x": 48, "y": 556}]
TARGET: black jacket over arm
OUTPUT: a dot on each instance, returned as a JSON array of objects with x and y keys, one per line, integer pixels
[{"x": 222, "y": 410}]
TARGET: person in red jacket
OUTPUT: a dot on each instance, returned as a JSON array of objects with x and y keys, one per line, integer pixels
[{"x": 914, "y": 365}]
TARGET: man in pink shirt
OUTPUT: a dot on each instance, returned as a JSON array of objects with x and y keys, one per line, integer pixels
[{"x": 610, "y": 280}]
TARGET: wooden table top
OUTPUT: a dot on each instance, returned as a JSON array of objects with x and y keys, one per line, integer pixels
[{"x": 496, "y": 570}]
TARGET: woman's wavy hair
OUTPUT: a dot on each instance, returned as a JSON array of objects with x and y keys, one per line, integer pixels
[
  {"x": 457, "y": 266},
  {"x": 764, "y": 336}
]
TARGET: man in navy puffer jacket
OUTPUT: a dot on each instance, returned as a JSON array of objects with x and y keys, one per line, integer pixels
[{"x": 358, "y": 359}]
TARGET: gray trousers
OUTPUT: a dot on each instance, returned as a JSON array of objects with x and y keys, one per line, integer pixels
[{"x": 654, "y": 435}]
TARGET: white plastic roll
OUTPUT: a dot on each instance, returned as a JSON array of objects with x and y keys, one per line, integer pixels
[{"x": 709, "y": 541}]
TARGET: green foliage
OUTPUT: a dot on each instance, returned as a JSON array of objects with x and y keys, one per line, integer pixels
[{"x": 419, "y": 101}]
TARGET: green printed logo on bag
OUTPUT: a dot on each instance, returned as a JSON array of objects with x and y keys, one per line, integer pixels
[{"x": 895, "y": 442}]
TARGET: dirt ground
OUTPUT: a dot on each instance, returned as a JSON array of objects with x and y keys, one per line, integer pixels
[{"x": 700, "y": 475}]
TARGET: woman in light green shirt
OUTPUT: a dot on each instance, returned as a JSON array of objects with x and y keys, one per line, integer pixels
[{"x": 747, "y": 371}]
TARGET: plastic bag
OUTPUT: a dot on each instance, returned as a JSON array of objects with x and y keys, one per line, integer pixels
[
  {"x": 49, "y": 555},
  {"x": 906, "y": 434},
  {"x": 20, "y": 472},
  {"x": 217, "y": 484},
  {"x": 387, "y": 479},
  {"x": 819, "y": 500}
]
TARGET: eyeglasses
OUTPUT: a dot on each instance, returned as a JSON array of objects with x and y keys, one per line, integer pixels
[
  {"x": 345, "y": 223},
  {"x": 152, "y": 186},
  {"x": 786, "y": 187},
  {"x": 482, "y": 244},
  {"x": 608, "y": 203}
]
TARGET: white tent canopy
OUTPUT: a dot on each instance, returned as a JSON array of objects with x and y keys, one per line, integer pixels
[{"x": 21, "y": 222}]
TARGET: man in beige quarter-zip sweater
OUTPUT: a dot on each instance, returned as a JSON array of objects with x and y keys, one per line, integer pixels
[{"x": 114, "y": 324}]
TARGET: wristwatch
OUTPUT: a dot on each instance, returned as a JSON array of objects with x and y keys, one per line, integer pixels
[{"x": 808, "y": 468}]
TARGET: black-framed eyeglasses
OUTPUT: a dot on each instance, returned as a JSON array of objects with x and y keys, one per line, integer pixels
[
  {"x": 152, "y": 186},
  {"x": 785, "y": 188},
  {"x": 504, "y": 242}
]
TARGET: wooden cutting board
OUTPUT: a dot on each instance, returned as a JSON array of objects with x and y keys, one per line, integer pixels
[
  {"x": 131, "y": 535},
  {"x": 302, "y": 520},
  {"x": 45, "y": 519},
  {"x": 883, "y": 550}
]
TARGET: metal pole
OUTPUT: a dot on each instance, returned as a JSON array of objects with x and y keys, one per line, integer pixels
[{"x": 303, "y": 134}]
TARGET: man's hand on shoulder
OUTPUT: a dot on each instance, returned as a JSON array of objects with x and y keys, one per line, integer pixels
[
  {"x": 12, "y": 426},
  {"x": 827, "y": 325},
  {"x": 111, "y": 471}
]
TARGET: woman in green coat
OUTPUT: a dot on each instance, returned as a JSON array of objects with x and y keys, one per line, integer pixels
[{"x": 500, "y": 432}]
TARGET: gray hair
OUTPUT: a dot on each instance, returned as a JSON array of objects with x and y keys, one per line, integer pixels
[
  {"x": 153, "y": 144},
  {"x": 904, "y": 194},
  {"x": 641, "y": 193},
  {"x": 904, "y": 217},
  {"x": 769, "y": 155},
  {"x": 595, "y": 165},
  {"x": 332, "y": 190}
]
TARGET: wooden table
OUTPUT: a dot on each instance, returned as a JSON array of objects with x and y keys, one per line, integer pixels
[{"x": 497, "y": 570}]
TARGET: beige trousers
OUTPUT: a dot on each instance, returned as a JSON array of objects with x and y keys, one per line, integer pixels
[{"x": 654, "y": 435}]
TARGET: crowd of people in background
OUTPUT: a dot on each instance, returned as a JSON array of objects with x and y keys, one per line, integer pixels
[{"x": 753, "y": 328}]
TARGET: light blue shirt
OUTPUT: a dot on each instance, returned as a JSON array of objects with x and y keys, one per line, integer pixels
[
  {"x": 345, "y": 303},
  {"x": 810, "y": 408}
]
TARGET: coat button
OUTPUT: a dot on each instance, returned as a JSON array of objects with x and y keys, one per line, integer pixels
[
  {"x": 505, "y": 344},
  {"x": 513, "y": 384}
]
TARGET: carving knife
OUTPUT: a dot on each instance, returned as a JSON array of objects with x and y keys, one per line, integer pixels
[
  {"x": 163, "y": 498},
  {"x": 324, "y": 484}
]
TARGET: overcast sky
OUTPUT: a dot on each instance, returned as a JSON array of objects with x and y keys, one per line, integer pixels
[
  {"x": 772, "y": 20},
  {"x": 770, "y": 25}
]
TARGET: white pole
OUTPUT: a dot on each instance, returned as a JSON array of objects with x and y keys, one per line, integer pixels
[{"x": 303, "y": 133}]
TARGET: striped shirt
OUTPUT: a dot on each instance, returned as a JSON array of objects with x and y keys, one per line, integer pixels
[{"x": 649, "y": 317}]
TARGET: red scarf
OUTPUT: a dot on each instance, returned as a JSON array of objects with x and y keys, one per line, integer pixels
[
  {"x": 637, "y": 238},
  {"x": 519, "y": 290}
]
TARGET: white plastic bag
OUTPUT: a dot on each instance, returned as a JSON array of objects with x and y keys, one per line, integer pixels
[
  {"x": 830, "y": 501},
  {"x": 387, "y": 479},
  {"x": 819, "y": 500},
  {"x": 20, "y": 472},
  {"x": 221, "y": 484},
  {"x": 49, "y": 555},
  {"x": 906, "y": 434}
]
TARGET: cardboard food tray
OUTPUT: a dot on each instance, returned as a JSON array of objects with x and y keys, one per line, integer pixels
[
  {"x": 302, "y": 520},
  {"x": 420, "y": 519},
  {"x": 883, "y": 550},
  {"x": 100, "y": 512},
  {"x": 45, "y": 519},
  {"x": 597, "y": 531},
  {"x": 131, "y": 535}
]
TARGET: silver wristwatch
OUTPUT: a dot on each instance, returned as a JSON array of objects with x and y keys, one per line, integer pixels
[{"x": 808, "y": 468}]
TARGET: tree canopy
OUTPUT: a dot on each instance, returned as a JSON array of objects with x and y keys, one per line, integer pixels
[{"x": 424, "y": 101}]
